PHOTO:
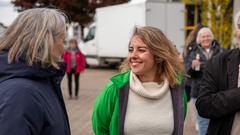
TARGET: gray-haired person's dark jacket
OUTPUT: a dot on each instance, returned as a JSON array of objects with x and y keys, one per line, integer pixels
[
  {"x": 196, "y": 76},
  {"x": 31, "y": 101}
]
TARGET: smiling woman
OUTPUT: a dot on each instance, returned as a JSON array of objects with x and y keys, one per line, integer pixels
[
  {"x": 148, "y": 98},
  {"x": 141, "y": 60}
]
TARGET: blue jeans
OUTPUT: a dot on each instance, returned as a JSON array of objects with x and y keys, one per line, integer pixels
[{"x": 202, "y": 122}]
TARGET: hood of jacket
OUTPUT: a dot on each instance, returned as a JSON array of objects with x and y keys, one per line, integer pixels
[{"x": 22, "y": 70}]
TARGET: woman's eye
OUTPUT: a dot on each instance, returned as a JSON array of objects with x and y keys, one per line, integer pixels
[
  {"x": 130, "y": 50},
  {"x": 142, "y": 50}
]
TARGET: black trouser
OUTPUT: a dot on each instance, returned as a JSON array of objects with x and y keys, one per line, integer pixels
[{"x": 76, "y": 78}]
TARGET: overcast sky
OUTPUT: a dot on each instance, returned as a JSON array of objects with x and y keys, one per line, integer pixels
[{"x": 7, "y": 12}]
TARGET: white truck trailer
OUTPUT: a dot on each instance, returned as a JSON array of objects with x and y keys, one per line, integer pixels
[{"x": 108, "y": 38}]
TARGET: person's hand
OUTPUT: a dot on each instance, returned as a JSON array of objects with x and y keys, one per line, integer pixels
[{"x": 195, "y": 63}]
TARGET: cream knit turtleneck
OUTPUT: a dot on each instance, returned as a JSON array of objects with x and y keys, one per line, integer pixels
[{"x": 149, "y": 108}]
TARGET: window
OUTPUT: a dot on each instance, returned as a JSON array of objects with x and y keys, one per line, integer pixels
[{"x": 91, "y": 34}]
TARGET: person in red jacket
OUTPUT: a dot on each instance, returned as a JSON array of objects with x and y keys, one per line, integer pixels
[{"x": 75, "y": 64}]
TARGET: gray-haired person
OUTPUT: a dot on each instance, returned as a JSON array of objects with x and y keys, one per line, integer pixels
[
  {"x": 204, "y": 50},
  {"x": 219, "y": 96},
  {"x": 31, "y": 50}
]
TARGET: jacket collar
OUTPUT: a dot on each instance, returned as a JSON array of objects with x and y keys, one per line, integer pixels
[
  {"x": 121, "y": 80},
  {"x": 214, "y": 45},
  {"x": 22, "y": 70}
]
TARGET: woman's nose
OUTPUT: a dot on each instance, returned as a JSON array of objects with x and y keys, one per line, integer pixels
[{"x": 133, "y": 54}]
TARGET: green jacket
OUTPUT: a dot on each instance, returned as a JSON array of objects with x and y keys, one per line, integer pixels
[{"x": 106, "y": 111}]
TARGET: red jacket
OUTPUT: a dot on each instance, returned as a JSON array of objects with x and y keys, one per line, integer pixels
[{"x": 80, "y": 61}]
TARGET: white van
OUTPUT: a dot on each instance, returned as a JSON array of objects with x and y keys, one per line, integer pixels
[{"x": 108, "y": 38}]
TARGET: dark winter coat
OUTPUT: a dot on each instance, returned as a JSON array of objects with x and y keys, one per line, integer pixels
[
  {"x": 31, "y": 101},
  {"x": 219, "y": 97},
  {"x": 195, "y": 76}
]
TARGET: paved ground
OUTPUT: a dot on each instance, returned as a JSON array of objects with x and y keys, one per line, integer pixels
[{"x": 91, "y": 83}]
